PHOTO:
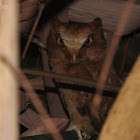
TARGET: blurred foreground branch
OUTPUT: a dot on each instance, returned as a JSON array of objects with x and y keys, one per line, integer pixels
[{"x": 83, "y": 82}]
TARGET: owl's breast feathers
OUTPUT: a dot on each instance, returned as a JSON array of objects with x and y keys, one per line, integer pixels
[{"x": 77, "y": 100}]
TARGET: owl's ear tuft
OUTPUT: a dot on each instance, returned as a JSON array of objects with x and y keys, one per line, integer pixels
[
  {"x": 55, "y": 23},
  {"x": 97, "y": 22}
]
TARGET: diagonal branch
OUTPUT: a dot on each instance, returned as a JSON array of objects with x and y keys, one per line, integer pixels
[
  {"x": 110, "y": 55},
  {"x": 42, "y": 6}
]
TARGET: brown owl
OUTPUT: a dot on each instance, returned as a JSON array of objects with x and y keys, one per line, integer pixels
[{"x": 79, "y": 50}]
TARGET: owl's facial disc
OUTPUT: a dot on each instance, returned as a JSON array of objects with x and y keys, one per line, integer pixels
[{"x": 73, "y": 44}]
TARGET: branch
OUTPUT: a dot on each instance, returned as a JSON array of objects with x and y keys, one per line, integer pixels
[
  {"x": 42, "y": 6},
  {"x": 83, "y": 82}
]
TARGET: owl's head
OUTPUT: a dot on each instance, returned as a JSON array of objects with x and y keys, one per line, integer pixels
[{"x": 78, "y": 39}]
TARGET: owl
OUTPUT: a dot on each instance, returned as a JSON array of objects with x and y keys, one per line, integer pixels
[{"x": 78, "y": 50}]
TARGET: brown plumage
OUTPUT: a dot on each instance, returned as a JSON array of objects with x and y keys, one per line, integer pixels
[{"x": 79, "y": 50}]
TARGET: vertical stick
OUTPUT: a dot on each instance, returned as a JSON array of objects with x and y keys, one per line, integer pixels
[
  {"x": 54, "y": 103},
  {"x": 8, "y": 84},
  {"x": 124, "y": 57}
]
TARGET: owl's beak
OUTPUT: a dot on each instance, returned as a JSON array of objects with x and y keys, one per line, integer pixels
[
  {"x": 73, "y": 53},
  {"x": 74, "y": 58}
]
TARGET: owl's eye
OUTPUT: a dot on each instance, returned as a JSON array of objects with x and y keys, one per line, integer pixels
[
  {"x": 59, "y": 40},
  {"x": 89, "y": 39}
]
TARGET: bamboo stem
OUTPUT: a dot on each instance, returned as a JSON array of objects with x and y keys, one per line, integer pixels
[
  {"x": 123, "y": 122},
  {"x": 8, "y": 83},
  {"x": 49, "y": 124}
]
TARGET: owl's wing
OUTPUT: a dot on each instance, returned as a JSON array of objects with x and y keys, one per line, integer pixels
[{"x": 77, "y": 104}]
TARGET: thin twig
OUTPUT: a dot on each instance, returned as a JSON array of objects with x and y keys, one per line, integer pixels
[
  {"x": 110, "y": 55},
  {"x": 36, "y": 41},
  {"x": 124, "y": 57},
  {"x": 83, "y": 82},
  {"x": 49, "y": 124},
  {"x": 42, "y": 6}
]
